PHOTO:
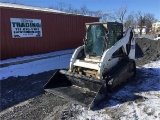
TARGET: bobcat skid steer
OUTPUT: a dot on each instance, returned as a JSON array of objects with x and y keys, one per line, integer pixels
[{"x": 104, "y": 61}]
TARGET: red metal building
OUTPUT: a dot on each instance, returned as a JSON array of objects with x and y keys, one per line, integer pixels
[{"x": 58, "y": 30}]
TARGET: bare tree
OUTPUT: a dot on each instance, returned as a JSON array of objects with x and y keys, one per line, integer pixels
[
  {"x": 141, "y": 18},
  {"x": 119, "y": 15},
  {"x": 130, "y": 21},
  {"x": 150, "y": 18},
  {"x": 98, "y": 13},
  {"x": 104, "y": 17},
  {"x": 84, "y": 10},
  {"x": 76, "y": 11},
  {"x": 61, "y": 6},
  {"x": 69, "y": 9},
  {"x": 91, "y": 13},
  {"x": 145, "y": 19}
]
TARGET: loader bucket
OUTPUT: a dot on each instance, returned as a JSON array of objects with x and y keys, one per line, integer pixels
[{"x": 84, "y": 90}]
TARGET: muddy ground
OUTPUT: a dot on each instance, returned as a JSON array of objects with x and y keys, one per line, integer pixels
[{"x": 24, "y": 98}]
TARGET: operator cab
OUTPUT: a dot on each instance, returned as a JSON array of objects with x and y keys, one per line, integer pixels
[
  {"x": 100, "y": 37},
  {"x": 95, "y": 42}
]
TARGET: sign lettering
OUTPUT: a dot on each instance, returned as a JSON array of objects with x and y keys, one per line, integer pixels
[{"x": 26, "y": 27}]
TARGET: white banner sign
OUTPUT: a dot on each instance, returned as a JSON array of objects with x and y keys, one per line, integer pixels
[{"x": 22, "y": 27}]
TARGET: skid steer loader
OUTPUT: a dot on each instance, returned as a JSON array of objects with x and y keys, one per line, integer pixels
[{"x": 104, "y": 61}]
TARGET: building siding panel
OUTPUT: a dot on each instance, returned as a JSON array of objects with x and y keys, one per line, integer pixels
[{"x": 59, "y": 32}]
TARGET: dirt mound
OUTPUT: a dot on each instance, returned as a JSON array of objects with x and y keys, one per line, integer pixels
[{"x": 146, "y": 51}]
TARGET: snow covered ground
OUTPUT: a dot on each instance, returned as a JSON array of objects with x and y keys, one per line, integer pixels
[
  {"x": 37, "y": 56},
  {"x": 36, "y": 66},
  {"x": 137, "y": 101}
]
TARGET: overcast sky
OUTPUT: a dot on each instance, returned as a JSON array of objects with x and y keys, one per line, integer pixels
[{"x": 146, "y": 6}]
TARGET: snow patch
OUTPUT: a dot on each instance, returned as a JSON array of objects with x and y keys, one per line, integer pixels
[
  {"x": 155, "y": 66},
  {"x": 36, "y": 67},
  {"x": 51, "y": 54},
  {"x": 84, "y": 114}
]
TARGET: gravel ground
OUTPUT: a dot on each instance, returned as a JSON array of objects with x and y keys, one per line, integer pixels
[
  {"x": 24, "y": 88},
  {"x": 24, "y": 98}
]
